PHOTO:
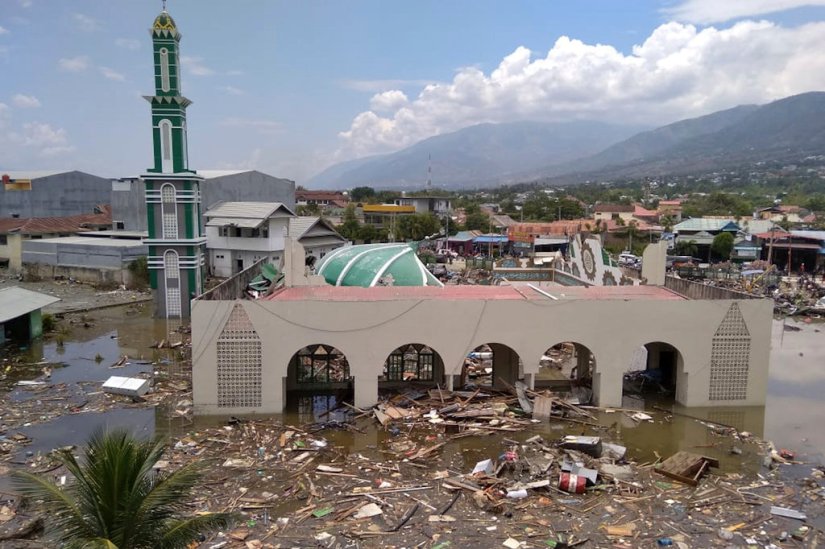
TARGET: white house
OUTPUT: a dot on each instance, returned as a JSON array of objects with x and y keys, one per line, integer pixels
[
  {"x": 316, "y": 235},
  {"x": 240, "y": 233}
]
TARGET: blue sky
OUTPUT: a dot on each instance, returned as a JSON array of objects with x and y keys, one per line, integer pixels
[{"x": 292, "y": 87}]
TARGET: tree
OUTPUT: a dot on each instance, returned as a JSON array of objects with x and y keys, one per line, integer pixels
[
  {"x": 722, "y": 245},
  {"x": 307, "y": 209},
  {"x": 349, "y": 229},
  {"x": 686, "y": 247},
  {"x": 476, "y": 219},
  {"x": 117, "y": 500},
  {"x": 667, "y": 223},
  {"x": 361, "y": 194},
  {"x": 417, "y": 226}
]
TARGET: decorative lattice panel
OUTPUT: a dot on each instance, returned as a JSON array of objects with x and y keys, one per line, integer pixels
[
  {"x": 173, "y": 304},
  {"x": 730, "y": 357},
  {"x": 239, "y": 362}
]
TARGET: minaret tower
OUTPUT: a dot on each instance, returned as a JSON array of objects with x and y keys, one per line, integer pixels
[{"x": 173, "y": 200}]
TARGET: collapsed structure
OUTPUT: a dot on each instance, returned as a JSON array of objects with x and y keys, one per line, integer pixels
[{"x": 248, "y": 356}]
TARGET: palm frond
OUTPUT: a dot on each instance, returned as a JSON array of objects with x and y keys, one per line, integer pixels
[{"x": 181, "y": 532}]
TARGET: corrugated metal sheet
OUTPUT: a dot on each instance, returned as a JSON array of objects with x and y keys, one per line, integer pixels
[
  {"x": 704, "y": 224},
  {"x": 16, "y": 301},
  {"x": 249, "y": 210}
]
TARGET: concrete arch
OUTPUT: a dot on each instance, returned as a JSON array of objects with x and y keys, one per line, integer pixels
[
  {"x": 318, "y": 366},
  {"x": 575, "y": 361},
  {"x": 413, "y": 362},
  {"x": 507, "y": 366},
  {"x": 667, "y": 363}
]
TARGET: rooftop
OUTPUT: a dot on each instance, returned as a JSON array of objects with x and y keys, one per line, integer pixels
[
  {"x": 248, "y": 210},
  {"x": 472, "y": 292},
  {"x": 16, "y": 301},
  {"x": 706, "y": 224}
]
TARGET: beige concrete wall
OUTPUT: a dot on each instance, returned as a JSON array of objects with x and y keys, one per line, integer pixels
[{"x": 368, "y": 332}]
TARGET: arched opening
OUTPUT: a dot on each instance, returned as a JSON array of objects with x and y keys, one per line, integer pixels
[
  {"x": 413, "y": 363},
  {"x": 169, "y": 212},
  {"x": 165, "y": 128},
  {"x": 655, "y": 375},
  {"x": 568, "y": 365},
  {"x": 171, "y": 271},
  {"x": 318, "y": 381},
  {"x": 491, "y": 365},
  {"x": 164, "y": 70}
]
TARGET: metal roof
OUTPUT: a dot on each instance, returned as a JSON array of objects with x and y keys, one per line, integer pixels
[
  {"x": 298, "y": 226},
  {"x": 364, "y": 265},
  {"x": 17, "y": 301},
  {"x": 705, "y": 224},
  {"x": 812, "y": 235},
  {"x": 249, "y": 210},
  {"x": 34, "y": 174}
]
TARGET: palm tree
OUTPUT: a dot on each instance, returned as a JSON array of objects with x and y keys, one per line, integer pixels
[{"x": 117, "y": 500}]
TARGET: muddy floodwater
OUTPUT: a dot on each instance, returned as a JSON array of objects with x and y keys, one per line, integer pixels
[{"x": 791, "y": 419}]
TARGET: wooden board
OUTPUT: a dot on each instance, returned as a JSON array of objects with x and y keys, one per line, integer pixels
[
  {"x": 686, "y": 467},
  {"x": 542, "y": 407}
]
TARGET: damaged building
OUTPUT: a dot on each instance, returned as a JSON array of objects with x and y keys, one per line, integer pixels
[{"x": 311, "y": 336}]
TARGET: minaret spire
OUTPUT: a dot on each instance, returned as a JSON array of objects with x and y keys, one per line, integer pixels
[{"x": 164, "y": 4}]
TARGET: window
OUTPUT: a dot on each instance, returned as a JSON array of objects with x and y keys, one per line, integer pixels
[
  {"x": 410, "y": 363},
  {"x": 170, "y": 211},
  {"x": 4, "y": 240},
  {"x": 166, "y": 145},
  {"x": 120, "y": 225},
  {"x": 164, "y": 70},
  {"x": 322, "y": 364}
]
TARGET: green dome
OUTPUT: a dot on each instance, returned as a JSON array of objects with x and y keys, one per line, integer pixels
[
  {"x": 164, "y": 21},
  {"x": 365, "y": 264}
]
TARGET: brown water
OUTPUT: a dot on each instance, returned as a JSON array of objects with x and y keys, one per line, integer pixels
[{"x": 791, "y": 418}]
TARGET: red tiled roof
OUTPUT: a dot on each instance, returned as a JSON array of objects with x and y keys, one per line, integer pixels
[
  {"x": 613, "y": 208},
  {"x": 48, "y": 225}
]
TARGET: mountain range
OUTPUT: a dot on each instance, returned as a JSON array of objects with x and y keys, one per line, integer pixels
[{"x": 785, "y": 130}]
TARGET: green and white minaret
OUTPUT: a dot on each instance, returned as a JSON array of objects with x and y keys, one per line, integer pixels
[{"x": 173, "y": 200}]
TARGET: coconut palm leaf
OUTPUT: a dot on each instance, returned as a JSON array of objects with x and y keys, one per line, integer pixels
[{"x": 118, "y": 500}]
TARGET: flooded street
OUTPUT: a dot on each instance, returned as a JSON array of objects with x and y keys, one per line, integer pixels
[
  {"x": 790, "y": 419},
  {"x": 64, "y": 408}
]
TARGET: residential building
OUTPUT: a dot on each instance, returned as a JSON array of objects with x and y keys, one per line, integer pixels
[
  {"x": 670, "y": 208},
  {"x": 15, "y": 232},
  {"x": 782, "y": 213},
  {"x": 325, "y": 199},
  {"x": 384, "y": 216},
  {"x": 607, "y": 212},
  {"x": 316, "y": 235},
  {"x": 438, "y": 205},
  {"x": 702, "y": 230},
  {"x": 238, "y": 234}
]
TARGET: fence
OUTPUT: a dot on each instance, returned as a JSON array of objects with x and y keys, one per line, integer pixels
[
  {"x": 233, "y": 288},
  {"x": 697, "y": 290}
]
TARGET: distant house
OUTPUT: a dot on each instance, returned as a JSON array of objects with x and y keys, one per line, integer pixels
[
  {"x": 702, "y": 230},
  {"x": 335, "y": 199},
  {"x": 384, "y": 216},
  {"x": 438, "y": 205},
  {"x": 641, "y": 213},
  {"x": 316, "y": 235},
  {"x": 238, "y": 234},
  {"x": 14, "y": 231},
  {"x": 670, "y": 208},
  {"x": 606, "y": 212},
  {"x": 777, "y": 213}
]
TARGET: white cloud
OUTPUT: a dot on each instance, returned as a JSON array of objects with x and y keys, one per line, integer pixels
[
  {"x": 3, "y": 31},
  {"x": 388, "y": 101},
  {"x": 195, "y": 66},
  {"x": 36, "y": 134},
  {"x": 26, "y": 3},
  {"x": 677, "y": 72},
  {"x": 232, "y": 90},
  {"x": 128, "y": 43},
  {"x": 85, "y": 23},
  {"x": 112, "y": 74},
  {"x": 25, "y": 101},
  {"x": 716, "y": 11},
  {"x": 74, "y": 64}
]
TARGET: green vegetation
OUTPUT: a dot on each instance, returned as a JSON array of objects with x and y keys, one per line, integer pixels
[
  {"x": 139, "y": 270},
  {"x": 49, "y": 322},
  {"x": 722, "y": 246},
  {"x": 117, "y": 500}
]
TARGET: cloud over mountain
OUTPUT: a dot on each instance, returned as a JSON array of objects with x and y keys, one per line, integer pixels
[{"x": 679, "y": 71}]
